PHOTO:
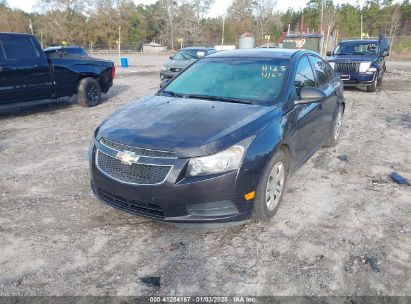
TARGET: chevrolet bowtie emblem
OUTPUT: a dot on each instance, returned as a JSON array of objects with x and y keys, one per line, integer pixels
[{"x": 127, "y": 157}]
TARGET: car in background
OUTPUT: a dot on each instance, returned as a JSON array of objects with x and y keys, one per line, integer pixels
[
  {"x": 360, "y": 63},
  {"x": 182, "y": 59},
  {"x": 71, "y": 51},
  {"x": 28, "y": 77},
  {"x": 218, "y": 149}
]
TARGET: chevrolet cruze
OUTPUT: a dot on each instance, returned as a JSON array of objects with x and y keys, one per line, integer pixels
[{"x": 217, "y": 143}]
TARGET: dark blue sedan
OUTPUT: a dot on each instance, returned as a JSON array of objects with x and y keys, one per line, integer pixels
[{"x": 217, "y": 143}]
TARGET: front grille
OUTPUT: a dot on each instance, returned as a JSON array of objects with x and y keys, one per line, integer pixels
[
  {"x": 138, "y": 151},
  {"x": 131, "y": 205},
  {"x": 138, "y": 174},
  {"x": 175, "y": 70},
  {"x": 347, "y": 67}
]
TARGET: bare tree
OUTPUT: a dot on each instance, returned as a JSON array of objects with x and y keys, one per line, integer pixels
[{"x": 265, "y": 15}]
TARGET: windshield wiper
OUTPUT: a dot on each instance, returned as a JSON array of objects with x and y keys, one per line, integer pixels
[
  {"x": 226, "y": 99},
  {"x": 174, "y": 94}
]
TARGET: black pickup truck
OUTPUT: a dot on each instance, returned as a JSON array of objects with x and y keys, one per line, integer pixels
[{"x": 29, "y": 77}]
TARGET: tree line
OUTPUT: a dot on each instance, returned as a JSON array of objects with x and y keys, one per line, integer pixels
[{"x": 168, "y": 22}]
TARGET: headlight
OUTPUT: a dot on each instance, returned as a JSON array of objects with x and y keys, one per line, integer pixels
[
  {"x": 225, "y": 161},
  {"x": 163, "y": 68},
  {"x": 364, "y": 67},
  {"x": 332, "y": 64}
]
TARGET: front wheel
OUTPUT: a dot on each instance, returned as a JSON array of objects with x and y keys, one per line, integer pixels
[
  {"x": 271, "y": 187},
  {"x": 372, "y": 87},
  {"x": 89, "y": 92}
]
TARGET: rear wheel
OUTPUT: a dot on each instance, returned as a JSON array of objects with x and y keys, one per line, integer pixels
[
  {"x": 89, "y": 92},
  {"x": 336, "y": 130},
  {"x": 271, "y": 187}
]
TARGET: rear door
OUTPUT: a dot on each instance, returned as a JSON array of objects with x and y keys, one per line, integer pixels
[
  {"x": 7, "y": 79},
  {"x": 32, "y": 73},
  {"x": 328, "y": 83}
]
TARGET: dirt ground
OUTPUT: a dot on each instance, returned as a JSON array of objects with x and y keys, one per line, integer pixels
[{"x": 344, "y": 227}]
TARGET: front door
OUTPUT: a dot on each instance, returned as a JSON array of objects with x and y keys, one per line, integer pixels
[
  {"x": 308, "y": 116},
  {"x": 32, "y": 73}
]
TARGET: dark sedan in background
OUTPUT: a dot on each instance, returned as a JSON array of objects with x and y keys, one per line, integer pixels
[
  {"x": 71, "y": 51},
  {"x": 218, "y": 148},
  {"x": 182, "y": 59}
]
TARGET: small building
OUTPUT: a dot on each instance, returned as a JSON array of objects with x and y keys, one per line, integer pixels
[
  {"x": 313, "y": 42},
  {"x": 246, "y": 41},
  {"x": 153, "y": 47}
]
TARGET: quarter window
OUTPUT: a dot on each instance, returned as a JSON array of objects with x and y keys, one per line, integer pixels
[{"x": 304, "y": 76}]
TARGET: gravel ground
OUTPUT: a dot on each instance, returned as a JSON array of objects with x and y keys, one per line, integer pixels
[{"x": 344, "y": 227}]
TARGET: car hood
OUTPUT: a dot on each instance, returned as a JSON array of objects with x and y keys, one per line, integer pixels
[
  {"x": 351, "y": 58},
  {"x": 189, "y": 127},
  {"x": 179, "y": 64}
]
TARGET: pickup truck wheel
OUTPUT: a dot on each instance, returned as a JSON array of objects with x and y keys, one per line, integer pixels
[
  {"x": 336, "y": 131},
  {"x": 271, "y": 187},
  {"x": 372, "y": 87},
  {"x": 89, "y": 92}
]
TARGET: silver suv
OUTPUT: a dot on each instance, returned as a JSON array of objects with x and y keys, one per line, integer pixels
[{"x": 182, "y": 59}]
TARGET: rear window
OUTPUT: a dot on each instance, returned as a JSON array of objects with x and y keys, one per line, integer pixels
[{"x": 19, "y": 47}]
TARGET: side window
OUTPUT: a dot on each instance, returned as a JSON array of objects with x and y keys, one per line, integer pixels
[
  {"x": 20, "y": 47},
  {"x": 2, "y": 56},
  {"x": 322, "y": 69},
  {"x": 304, "y": 76}
]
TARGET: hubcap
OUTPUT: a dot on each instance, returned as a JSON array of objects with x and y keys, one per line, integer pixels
[
  {"x": 338, "y": 124},
  {"x": 92, "y": 93},
  {"x": 275, "y": 185}
]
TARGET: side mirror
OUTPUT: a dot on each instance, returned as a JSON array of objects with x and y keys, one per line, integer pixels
[
  {"x": 329, "y": 53},
  {"x": 164, "y": 82},
  {"x": 310, "y": 94},
  {"x": 385, "y": 53},
  {"x": 171, "y": 57}
]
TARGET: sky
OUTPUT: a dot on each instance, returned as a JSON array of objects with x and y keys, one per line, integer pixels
[{"x": 218, "y": 9}]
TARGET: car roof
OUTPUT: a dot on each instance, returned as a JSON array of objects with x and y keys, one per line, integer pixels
[
  {"x": 276, "y": 53},
  {"x": 59, "y": 47},
  {"x": 361, "y": 41},
  {"x": 15, "y": 34},
  {"x": 196, "y": 48}
]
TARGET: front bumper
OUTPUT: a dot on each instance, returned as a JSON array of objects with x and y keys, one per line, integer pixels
[
  {"x": 208, "y": 199},
  {"x": 358, "y": 79}
]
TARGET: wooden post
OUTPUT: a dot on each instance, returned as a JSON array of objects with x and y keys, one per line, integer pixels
[{"x": 119, "y": 44}]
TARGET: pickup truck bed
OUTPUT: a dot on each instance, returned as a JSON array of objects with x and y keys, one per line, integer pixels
[{"x": 27, "y": 76}]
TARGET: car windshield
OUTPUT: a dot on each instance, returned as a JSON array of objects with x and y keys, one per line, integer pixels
[
  {"x": 243, "y": 80},
  {"x": 189, "y": 54},
  {"x": 361, "y": 48}
]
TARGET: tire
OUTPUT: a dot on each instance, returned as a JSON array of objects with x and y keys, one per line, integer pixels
[
  {"x": 89, "y": 92},
  {"x": 272, "y": 179},
  {"x": 379, "y": 82},
  {"x": 372, "y": 87},
  {"x": 336, "y": 130}
]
